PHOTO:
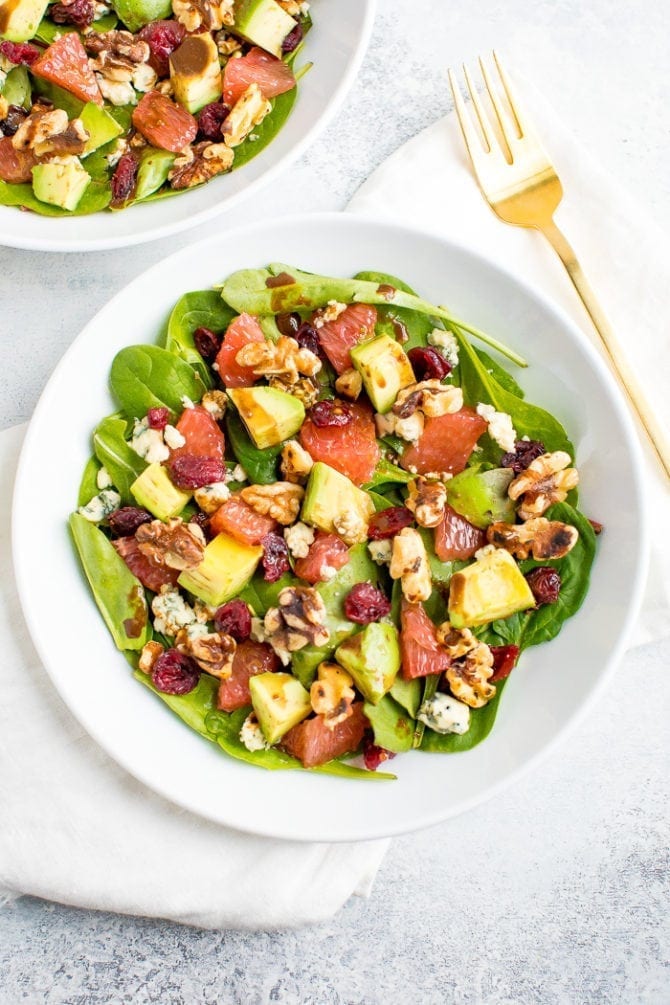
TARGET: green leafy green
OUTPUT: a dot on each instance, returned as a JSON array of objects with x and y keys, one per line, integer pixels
[
  {"x": 267, "y": 130},
  {"x": 499, "y": 373},
  {"x": 386, "y": 473},
  {"x": 146, "y": 376},
  {"x": 412, "y": 327},
  {"x": 48, "y": 31},
  {"x": 88, "y": 486},
  {"x": 112, "y": 451},
  {"x": 259, "y": 465},
  {"x": 408, "y": 694},
  {"x": 97, "y": 196},
  {"x": 393, "y": 728},
  {"x": 481, "y": 724},
  {"x": 199, "y": 309}
]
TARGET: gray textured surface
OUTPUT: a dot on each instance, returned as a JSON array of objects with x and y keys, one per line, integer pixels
[{"x": 557, "y": 890}]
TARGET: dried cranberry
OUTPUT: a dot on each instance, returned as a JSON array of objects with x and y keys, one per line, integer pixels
[
  {"x": 275, "y": 557},
  {"x": 210, "y": 120},
  {"x": 597, "y": 527},
  {"x": 125, "y": 521},
  {"x": 19, "y": 52},
  {"x": 365, "y": 603},
  {"x": 428, "y": 364},
  {"x": 234, "y": 618},
  {"x": 504, "y": 661},
  {"x": 292, "y": 40},
  {"x": 525, "y": 451},
  {"x": 545, "y": 584},
  {"x": 190, "y": 472},
  {"x": 162, "y": 37},
  {"x": 13, "y": 119},
  {"x": 80, "y": 13},
  {"x": 289, "y": 324},
  {"x": 124, "y": 178},
  {"x": 307, "y": 337},
  {"x": 373, "y": 755},
  {"x": 388, "y": 522},
  {"x": 158, "y": 418},
  {"x": 202, "y": 521},
  {"x": 331, "y": 413},
  {"x": 174, "y": 673},
  {"x": 207, "y": 343}
]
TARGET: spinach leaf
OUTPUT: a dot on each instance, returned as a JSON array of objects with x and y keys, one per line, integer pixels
[
  {"x": 393, "y": 728},
  {"x": 193, "y": 707},
  {"x": 412, "y": 327},
  {"x": 386, "y": 473},
  {"x": 499, "y": 373},
  {"x": 48, "y": 31},
  {"x": 112, "y": 450},
  {"x": 429, "y": 689},
  {"x": 146, "y": 376},
  {"x": 267, "y": 130},
  {"x": 88, "y": 486},
  {"x": 260, "y": 465},
  {"x": 120, "y": 597},
  {"x": 199, "y": 309},
  {"x": 481, "y": 724},
  {"x": 96, "y": 197},
  {"x": 407, "y": 693}
]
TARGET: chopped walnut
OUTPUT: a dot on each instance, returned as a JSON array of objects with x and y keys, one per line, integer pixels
[
  {"x": 426, "y": 501},
  {"x": 430, "y": 397},
  {"x": 471, "y": 665},
  {"x": 299, "y": 538},
  {"x": 120, "y": 63},
  {"x": 305, "y": 390},
  {"x": 294, "y": 7},
  {"x": 150, "y": 653},
  {"x": 176, "y": 544},
  {"x": 543, "y": 539},
  {"x": 351, "y": 526},
  {"x": 227, "y": 44},
  {"x": 297, "y": 622},
  {"x": 199, "y": 163},
  {"x": 280, "y": 501},
  {"x": 248, "y": 111},
  {"x": 284, "y": 359},
  {"x": 332, "y": 694},
  {"x": 546, "y": 480},
  {"x": 210, "y": 14},
  {"x": 215, "y": 402},
  {"x": 47, "y": 131},
  {"x": 296, "y": 463},
  {"x": 349, "y": 384},
  {"x": 330, "y": 312},
  {"x": 213, "y": 652},
  {"x": 409, "y": 564}
]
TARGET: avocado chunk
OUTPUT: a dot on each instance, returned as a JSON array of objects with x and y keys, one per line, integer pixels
[
  {"x": 195, "y": 72},
  {"x": 226, "y": 569},
  {"x": 329, "y": 494},
  {"x": 19, "y": 20},
  {"x": 154, "y": 491},
  {"x": 384, "y": 369},
  {"x": 481, "y": 497},
  {"x": 263, "y": 23},
  {"x": 280, "y": 702},
  {"x": 136, "y": 13},
  {"x": 60, "y": 182},
  {"x": 16, "y": 89},
  {"x": 271, "y": 416},
  {"x": 493, "y": 587},
  {"x": 153, "y": 171},
  {"x": 372, "y": 658},
  {"x": 99, "y": 125}
]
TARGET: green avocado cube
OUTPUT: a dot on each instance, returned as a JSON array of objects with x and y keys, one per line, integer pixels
[
  {"x": 154, "y": 490},
  {"x": 19, "y": 20},
  {"x": 60, "y": 182},
  {"x": 195, "y": 72},
  {"x": 372, "y": 658},
  {"x": 271, "y": 416},
  {"x": 99, "y": 125},
  {"x": 263, "y": 23},
  {"x": 481, "y": 497},
  {"x": 136, "y": 13},
  {"x": 491, "y": 588},
  {"x": 330, "y": 494},
  {"x": 226, "y": 569},
  {"x": 280, "y": 702},
  {"x": 16, "y": 88},
  {"x": 153, "y": 171},
  {"x": 384, "y": 369}
]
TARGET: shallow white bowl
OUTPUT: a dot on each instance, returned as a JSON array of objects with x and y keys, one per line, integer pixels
[
  {"x": 547, "y": 693},
  {"x": 335, "y": 45}
]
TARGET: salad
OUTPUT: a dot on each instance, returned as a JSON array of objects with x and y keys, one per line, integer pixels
[
  {"x": 105, "y": 103},
  {"x": 323, "y": 524}
]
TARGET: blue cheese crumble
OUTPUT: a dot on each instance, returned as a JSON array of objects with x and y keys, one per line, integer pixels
[
  {"x": 149, "y": 443},
  {"x": 101, "y": 506},
  {"x": 446, "y": 343},
  {"x": 444, "y": 714}
]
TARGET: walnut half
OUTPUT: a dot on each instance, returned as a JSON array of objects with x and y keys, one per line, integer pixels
[
  {"x": 299, "y": 621},
  {"x": 280, "y": 501},
  {"x": 546, "y": 480},
  {"x": 213, "y": 652},
  {"x": 409, "y": 564},
  {"x": 543, "y": 539},
  {"x": 427, "y": 499},
  {"x": 176, "y": 544},
  {"x": 332, "y": 694},
  {"x": 471, "y": 665}
]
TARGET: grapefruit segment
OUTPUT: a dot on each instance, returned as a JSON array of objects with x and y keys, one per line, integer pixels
[
  {"x": 15, "y": 165},
  {"x": 352, "y": 449},
  {"x": 354, "y": 324},
  {"x": 250, "y": 658},
  {"x": 313, "y": 743},
  {"x": 163, "y": 123},
  {"x": 272, "y": 75},
  {"x": 327, "y": 553},
  {"x": 240, "y": 331},
  {"x": 150, "y": 573},
  {"x": 65, "y": 63},
  {"x": 456, "y": 538},
  {"x": 202, "y": 434},
  {"x": 446, "y": 443},
  {"x": 420, "y": 652},
  {"x": 242, "y": 522}
]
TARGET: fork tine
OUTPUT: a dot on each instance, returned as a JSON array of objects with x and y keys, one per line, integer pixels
[
  {"x": 522, "y": 122},
  {"x": 472, "y": 140},
  {"x": 484, "y": 123},
  {"x": 507, "y": 127}
]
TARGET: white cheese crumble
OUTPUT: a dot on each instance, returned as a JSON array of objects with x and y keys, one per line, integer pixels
[
  {"x": 329, "y": 313},
  {"x": 186, "y": 402},
  {"x": 446, "y": 343},
  {"x": 380, "y": 551},
  {"x": 298, "y": 538},
  {"x": 258, "y": 630},
  {"x": 171, "y": 612},
  {"x": 251, "y": 734},
  {"x": 411, "y": 428},
  {"x": 101, "y": 506},
  {"x": 500, "y": 426},
  {"x": 327, "y": 572},
  {"x": 173, "y": 437},
  {"x": 148, "y": 442},
  {"x": 210, "y": 497},
  {"x": 444, "y": 714},
  {"x": 103, "y": 479},
  {"x": 236, "y": 474}
]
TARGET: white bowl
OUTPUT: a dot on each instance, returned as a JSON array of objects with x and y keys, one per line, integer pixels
[
  {"x": 553, "y": 685},
  {"x": 335, "y": 45}
]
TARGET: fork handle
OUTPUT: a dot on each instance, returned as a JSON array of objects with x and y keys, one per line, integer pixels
[{"x": 652, "y": 426}]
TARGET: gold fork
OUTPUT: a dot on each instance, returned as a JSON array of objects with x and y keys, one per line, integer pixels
[{"x": 524, "y": 189}]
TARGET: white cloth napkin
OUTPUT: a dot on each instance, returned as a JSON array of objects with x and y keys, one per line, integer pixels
[
  {"x": 429, "y": 184},
  {"x": 76, "y": 828}
]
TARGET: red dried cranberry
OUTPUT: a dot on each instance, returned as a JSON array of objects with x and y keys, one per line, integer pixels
[
  {"x": 234, "y": 618},
  {"x": 174, "y": 673},
  {"x": 19, "y": 52},
  {"x": 545, "y": 584},
  {"x": 525, "y": 451},
  {"x": 80, "y": 13},
  {"x": 428, "y": 364},
  {"x": 388, "y": 522},
  {"x": 210, "y": 120},
  {"x": 365, "y": 603},
  {"x": 307, "y": 337},
  {"x": 162, "y": 37},
  {"x": 292, "y": 40},
  {"x": 373, "y": 755},
  {"x": 275, "y": 557},
  {"x": 289, "y": 324},
  {"x": 207, "y": 343},
  {"x": 190, "y": 472},
  {"x": 597, "y": 527},
  {"x": 331, "y": 413},
  {"x": 202, "y": 521},
  {"x": 158, "y": 418},
  {"x": 124, "y": 178},
  {"x": 504, "y": 661},
  {"x": 125, "y": 521},
  {"x": 13, "y": 119}
]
